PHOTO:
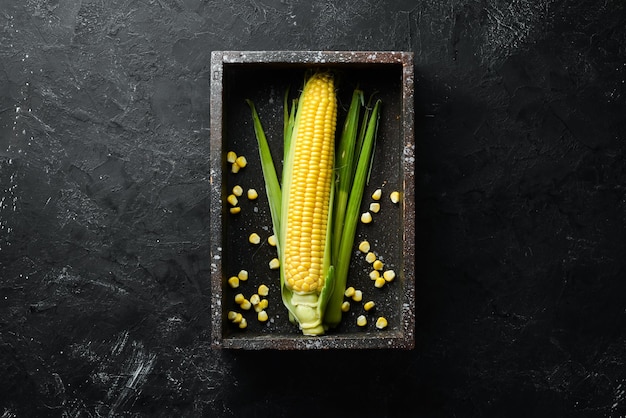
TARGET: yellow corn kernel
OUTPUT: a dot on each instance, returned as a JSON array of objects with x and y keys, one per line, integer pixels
[
  {"x": 243, "y": 323},
  {"x": 358, "y": 296},
  {"x": 370, "y": 257},
  {"x": 271, "y": 240},
  {"x": 374, "y": 207},
  {"x": 374, "y": 274},
  {"x": 238, "y": 318},
  {"x": 262, "y": 316},
  {"x": 389, "y": 275},
  {"x": 380, "y": 282},
  {"x": 263, "y": 290},
  {"x": 232, "y": 199},
  {"x": 255, "y": 299},
  {"x": 235, "y": 210},
  {"x": 232, "y": 315},
  {"x": 364, "y": 247},
  {"x": 368, "y": 306},
  {"x": 234, "y": 168},
  {"x": 274, "y": 263},
  {"x": 366, "y": 217},
  {"x": 243, "y": 275},
  {"x": 361, "y": 321},
  {"x": 233, "y": 282},
  {"x": 239, "y": 298},
  {"x": 381, "y": 322},
  {"x": 252, "y": 194},
  {"x": 231, "y": 156},
  {"x": 241, "y": 161},
  {"x": 395, "y": 197},
  {"x": 264, "y": 303},
  {"x": 377, "y": 194},
  {"x": 305, "y": 213},
  {"x": 349, "y": 292},
  {"x": 345, "y": 306},
  {"x": 254, "y": 238},
  {"x": 378, "y": 265},
  {"x": 245, "y": 305},
  {"x": 237, "y": 190}
]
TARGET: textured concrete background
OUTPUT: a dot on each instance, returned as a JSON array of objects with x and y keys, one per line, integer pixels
[{"x": 521, "y": 206}]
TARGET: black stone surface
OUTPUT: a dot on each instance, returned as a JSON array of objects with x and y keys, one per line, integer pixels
[{"x": 521, "y": 206}]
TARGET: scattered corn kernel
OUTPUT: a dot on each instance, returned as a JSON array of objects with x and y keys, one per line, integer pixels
[
  {"x": 238, "y": 318},
  {"x": 263, "y": 303},
  {"x": 243, "y": 324},
  {"x": 366, "y": 217},
  {"x": 255, "y": 299},
  {"x": 378, "y": 265},
  {"x": 254, "y": 238},
  {"x": 239, "y": 298},
  {"x": 375, "y": 207},
  {"x": 381, "y": 322},
  {"x": 377, "y": 194},
  {"x": 233, "y": 282},
  {"x": 349, "y": 292},
  {"x": 241, "y": 161},
  {"x": 271, "y": 240},
  {"x": 232, "y": 315},
  {"x": 361, "y": 321},
  {"x": 262, "y": 316},
  {"x": 274, "y": 263},
  {"x": 263, "y": 290},
  {"x": 246, "y": 305},
  {"x": 231, "y": 156},
  {"x": 369, "y": 305},
  {"x": 364, "y": 247},
  {"x": 395, "y": 197},
  {"x": 237, "y": 190},
  {"x": 380, "y": 282},
  {"x": 235, "y": 210},
  {"x": 370, "y": 257},
  {"x": 374, "y": 274},
  {"x": 252, "y": 194},
  {"x": 358, "y": 296},
  {"x": 389, "y": 275},
  {"x": 345, "y": 306},
  {"x": 234, "y": 168},
  {"x": 232, "y": 199},
  {"x": 243, "y": 275}
]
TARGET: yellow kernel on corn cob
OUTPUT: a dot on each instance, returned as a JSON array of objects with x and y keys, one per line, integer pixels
[
  {"x": 378, "y": 265},
  {"x": 235, "y": 210},
  {"x": 364, "y": 247},
  {"x": 231, "y": 156},
  {"x": 239, "y": 298},
  {"x": 243, "y": 275},
  {"x": 232, "y": 199},
  {"x": 263, "y": 290},
  {"x": 374, "y": 207},
  {"x": 395, "y": 197},
  {"x": 246, "y": 305},
  {"x": 380, "y": 282},
  {"x": 361, "y": 321},
  {"x": 237, "y": 190},
  {"x": 349, "y": 292},
  {"x": 232, "y": 315},
  {"x": 255, "y": 299},
  {"x": 262, "y": 316},
  {"x": 366, "y": 217},
  {"x": 381, "y": 322},
  {"x": 357, "y": 296},
  {"x": 345, "y": 306},
  {"x": 233, "y": 282},
  {"x": 274, "y": 263},
  {"x": 389, "y": 275},
  {"x": 241, "y": 161},
  {"x": 374, "y": 274},
  {"x": 368, "y": 306},
  {"x": 377, "y": 194},
  {"x": 271, "y": 240},
  {"x": 254, "y": 238},
  {"x": 243, "y": 323},
  {"x": 252, "y": 194},
  {"x": 370, "y": 257}
]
